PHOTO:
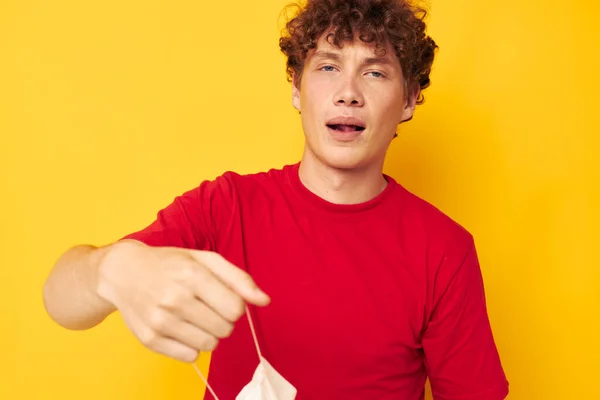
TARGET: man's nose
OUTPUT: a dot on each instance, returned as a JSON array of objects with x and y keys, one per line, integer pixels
[{"x": 349, "y": 94}]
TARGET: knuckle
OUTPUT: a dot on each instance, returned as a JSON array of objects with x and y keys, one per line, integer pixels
[
  {"x": 173, "y": 299},
  {"x": 202, "y": 257},
  {"x": 189, "y": 356},
  {"x": 236, "y": 309},
  {"x": 189, "y": 270},
  {"x": 213, "y": 256},
  {"x": 148, "y": 337},
  {"x": 158, "y": 321},
  {"x": 204, "y": 276},
  {"x": 209, "y": 343},
  {"x": 185, "y": 268},
  {"x": 226, "y": 330}
]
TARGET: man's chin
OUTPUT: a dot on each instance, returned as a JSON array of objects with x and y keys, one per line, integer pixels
[
  {"x": 345, "y": 158},
  {"x": 345, "y": 161}
]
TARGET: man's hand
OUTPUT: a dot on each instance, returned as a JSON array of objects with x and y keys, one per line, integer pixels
[{"x": 177, "y": 302}]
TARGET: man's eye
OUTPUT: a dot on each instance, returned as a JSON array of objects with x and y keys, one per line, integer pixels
[
  {"x": 327, "y": 68},
  {"x": 377, "y": 74}
]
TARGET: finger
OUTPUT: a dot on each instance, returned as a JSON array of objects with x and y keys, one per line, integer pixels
[
  {"x": 174, "y": 349},
  {"x": 216, "y": 295},
  {"x": 191, "y": 336},
  {"x": 197, "y": 282},
  {"x": 237, "y": 279},
  {"x": 202, "y": 316},
  {"x": 187, "y": 299},
  {"x": 164, "y": 324},
  {"x": 159, "y": 343}
]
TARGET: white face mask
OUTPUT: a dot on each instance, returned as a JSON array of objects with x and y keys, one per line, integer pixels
[{"x": 266, "y": 383}]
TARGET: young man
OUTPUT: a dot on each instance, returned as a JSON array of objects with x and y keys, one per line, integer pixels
[{"x": 357, "y": 288}]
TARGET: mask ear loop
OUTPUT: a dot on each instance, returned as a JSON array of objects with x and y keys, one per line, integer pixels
[
  {"x": 205, "y": 381},
  {"x": 260, "y": 357}
]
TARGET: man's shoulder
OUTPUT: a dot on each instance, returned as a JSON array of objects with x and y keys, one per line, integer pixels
[
  {"x": 232, "y": 186},
  {"x": 433, "y": 224},
  {"x": 252, "y": 180}
]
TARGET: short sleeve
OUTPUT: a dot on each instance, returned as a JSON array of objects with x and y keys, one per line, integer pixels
[
  {"x": 189, "y": 221},
  {"x": 460, "y": 353}
]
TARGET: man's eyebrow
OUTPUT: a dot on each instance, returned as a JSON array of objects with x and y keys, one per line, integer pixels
[
  {"x": 321, "y": 54},
  {"x": 327, "y": 54},
  {"x": 377, "y": 60}
]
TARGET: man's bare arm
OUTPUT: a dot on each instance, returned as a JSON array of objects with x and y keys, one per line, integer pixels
[{"x": 70, "y": 291}]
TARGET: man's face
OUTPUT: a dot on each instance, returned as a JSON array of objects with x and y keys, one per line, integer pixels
[{"x": 351, "y": 102}]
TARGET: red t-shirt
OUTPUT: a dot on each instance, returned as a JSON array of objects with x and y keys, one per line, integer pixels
[{"x": 368, "y": 300}]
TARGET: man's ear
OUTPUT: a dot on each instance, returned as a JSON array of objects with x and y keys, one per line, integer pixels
[
  {"x": 411, "y": 103},
  {"x": 295, "y": 92}
]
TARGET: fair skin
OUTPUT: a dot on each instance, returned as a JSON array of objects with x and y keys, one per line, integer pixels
[
  {"x": 346, "y": 167},
  {"x": 177, "y": 302},
  {"x": 180, "y": 302}
]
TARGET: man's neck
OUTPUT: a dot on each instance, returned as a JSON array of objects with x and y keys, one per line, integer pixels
[{"x": 341, "y": 186}]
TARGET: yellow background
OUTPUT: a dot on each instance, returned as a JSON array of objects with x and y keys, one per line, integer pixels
[{"x": 110, "y": 109}]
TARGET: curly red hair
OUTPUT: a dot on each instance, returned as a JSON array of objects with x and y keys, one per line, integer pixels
[{"x": 396, "y": 22}]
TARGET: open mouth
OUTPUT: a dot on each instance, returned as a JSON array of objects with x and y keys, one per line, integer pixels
[{"x": 346, "y": 128}]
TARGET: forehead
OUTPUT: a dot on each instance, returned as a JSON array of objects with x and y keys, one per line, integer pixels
[{"x": 354, "y": 48}]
